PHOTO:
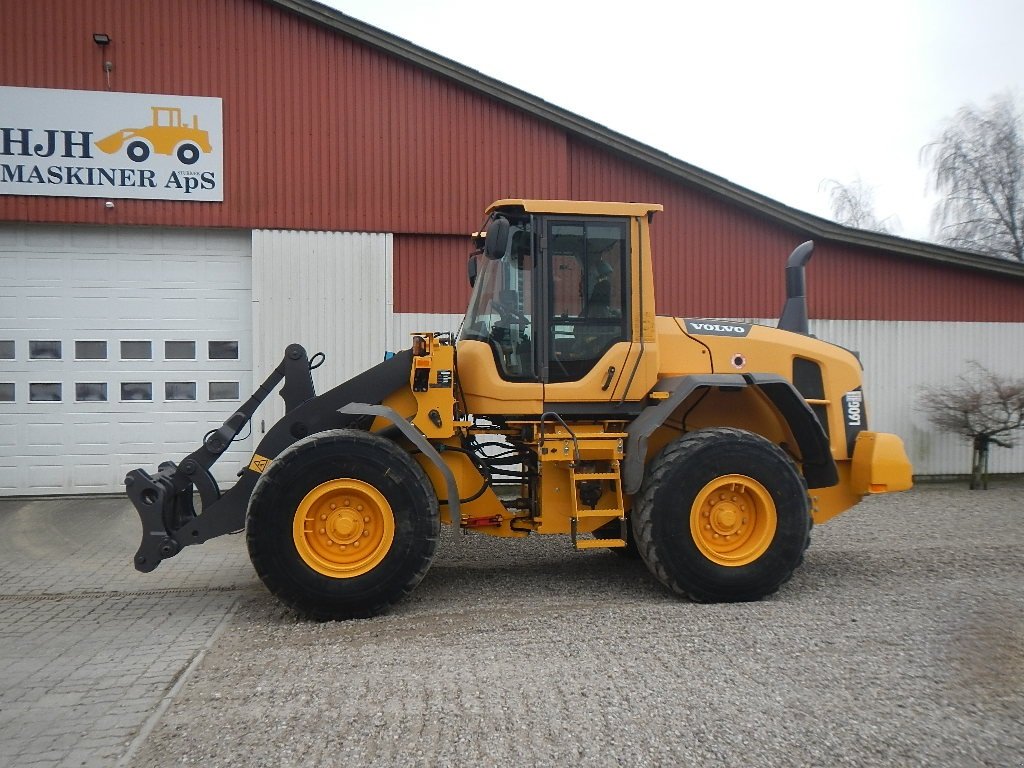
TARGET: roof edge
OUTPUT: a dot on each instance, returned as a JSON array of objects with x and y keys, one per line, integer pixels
[{"x": 813, "y": 225}]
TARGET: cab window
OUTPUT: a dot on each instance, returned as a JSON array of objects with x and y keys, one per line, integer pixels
[
  {"x": 588, "y": 297},
  {"x": 501, "y": 307}
]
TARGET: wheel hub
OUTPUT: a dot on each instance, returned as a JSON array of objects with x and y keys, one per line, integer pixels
[
  {"x": 343, "y": 528},
  {"x": 733, "y": 520}
]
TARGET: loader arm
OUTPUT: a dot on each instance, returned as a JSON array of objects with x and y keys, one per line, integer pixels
[{"x": 165, "y": 501}]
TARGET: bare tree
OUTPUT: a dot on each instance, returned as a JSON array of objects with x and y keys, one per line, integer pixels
[
  {"x": 977, "y": 164},
  {"x": 985, "y": 407},
  {"x": 853, "y": 205}
]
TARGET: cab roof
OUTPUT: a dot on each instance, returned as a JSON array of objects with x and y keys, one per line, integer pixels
[{"x": 578, "y": 207}]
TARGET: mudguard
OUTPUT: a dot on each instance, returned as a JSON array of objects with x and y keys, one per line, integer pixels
[{"x": 819, "y": 468}]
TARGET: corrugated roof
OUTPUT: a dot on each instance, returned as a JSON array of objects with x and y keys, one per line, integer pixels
[{"x": 815, "y": 226}]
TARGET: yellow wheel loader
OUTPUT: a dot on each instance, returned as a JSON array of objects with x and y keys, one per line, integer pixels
[{"x": 564, "y": 406}]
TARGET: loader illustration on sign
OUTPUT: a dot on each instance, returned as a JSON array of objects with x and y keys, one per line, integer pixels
[{"x": 167, "y": 135}]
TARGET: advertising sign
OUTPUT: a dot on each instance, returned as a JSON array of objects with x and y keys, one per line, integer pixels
[{"x": 113, "y": 145}]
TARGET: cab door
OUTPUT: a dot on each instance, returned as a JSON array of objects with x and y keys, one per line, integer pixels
[{"x": 587, "y": 352}]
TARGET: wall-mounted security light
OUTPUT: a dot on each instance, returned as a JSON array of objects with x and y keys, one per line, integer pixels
[{"x": 101, "y": 38}]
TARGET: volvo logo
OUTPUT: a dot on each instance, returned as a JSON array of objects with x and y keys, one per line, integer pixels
[{"x": 711, "y": 328}]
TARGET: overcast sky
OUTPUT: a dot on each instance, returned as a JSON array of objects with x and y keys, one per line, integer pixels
[{"x": 775, "y": 96}]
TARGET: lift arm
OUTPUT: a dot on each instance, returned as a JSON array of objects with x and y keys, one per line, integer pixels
[{"x": 165, "y": 501}]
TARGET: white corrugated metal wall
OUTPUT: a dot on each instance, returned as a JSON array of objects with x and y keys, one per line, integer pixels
[
  {"x": 901, "y": 358},
  {"x": 329, "y": 291}
]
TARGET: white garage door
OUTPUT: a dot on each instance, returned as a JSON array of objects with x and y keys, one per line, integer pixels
[{"x": 119, "y": 348}]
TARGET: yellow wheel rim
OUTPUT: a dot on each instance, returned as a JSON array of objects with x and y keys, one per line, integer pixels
[
  {"x": 733, "y": 520},
  {"x": 343, "y": 528}
]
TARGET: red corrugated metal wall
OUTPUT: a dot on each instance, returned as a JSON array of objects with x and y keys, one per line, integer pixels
[
  {"x": 320, "y": 131},
  {"x": 323, "y": 132},
  {"x": 715, "y": 258}
]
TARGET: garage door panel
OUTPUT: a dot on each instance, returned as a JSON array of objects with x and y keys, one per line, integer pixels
[
  {"x": 10, "y": 478},
  {"x": 87, "y": 477},
  {"x": 113, "y": 300},
  {"x": 46, "y": 477},
  {"x": 43, "y": 437}
]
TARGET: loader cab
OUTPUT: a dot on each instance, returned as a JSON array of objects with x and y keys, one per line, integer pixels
[{"x": 555, "y": 313}]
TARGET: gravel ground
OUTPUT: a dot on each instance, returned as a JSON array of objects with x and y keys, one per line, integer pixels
[{"x": 899, "y": 642}]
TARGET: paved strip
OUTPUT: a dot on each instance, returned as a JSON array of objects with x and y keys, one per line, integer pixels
[
  {"x": 900, "y": 642},
  {"x": 89, "y": 648}
]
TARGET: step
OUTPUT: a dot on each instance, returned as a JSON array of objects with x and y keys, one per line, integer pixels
[
  {"x": 581, "y": 513},
  {"x": 595, "y": 476},
  {"x": 599, "y": 543}
]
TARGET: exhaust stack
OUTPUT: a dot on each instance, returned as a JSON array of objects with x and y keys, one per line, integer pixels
[{"x": 794, "y": 311}]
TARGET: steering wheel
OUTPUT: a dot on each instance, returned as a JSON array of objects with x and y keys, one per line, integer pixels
[{"x": 507, "y": 313}]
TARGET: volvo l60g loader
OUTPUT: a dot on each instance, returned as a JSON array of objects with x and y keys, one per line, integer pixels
[{"x": 566, "y": 405}]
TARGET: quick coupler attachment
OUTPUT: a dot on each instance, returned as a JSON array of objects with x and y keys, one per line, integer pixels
[{"x": 163, "y": 510}]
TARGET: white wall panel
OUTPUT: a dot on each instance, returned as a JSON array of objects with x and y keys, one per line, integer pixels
[
  {"x": 901, "y": 358},
  {"x": 329, "y": 291}
]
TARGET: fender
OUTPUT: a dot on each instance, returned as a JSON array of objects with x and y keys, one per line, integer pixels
[
  {"x": 819, "y": 468},
  {"x": 417, "y": 438}
]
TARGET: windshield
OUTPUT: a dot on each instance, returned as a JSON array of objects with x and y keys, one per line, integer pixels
[{"x": 501, "y": 307}]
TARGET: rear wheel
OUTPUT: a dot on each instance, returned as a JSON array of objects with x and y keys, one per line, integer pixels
[
  {"x": 723, "y": 516},
  {"x": 343, "y": 524}
]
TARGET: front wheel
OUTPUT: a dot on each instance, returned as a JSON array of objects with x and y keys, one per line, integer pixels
[
  {"x": 723, "y": 516},
  {"x": 342, "y": 525}
]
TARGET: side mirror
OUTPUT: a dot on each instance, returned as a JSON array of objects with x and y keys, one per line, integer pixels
[
  {"x": 496, "y": 242},
  {"x": 471, "y": 269}
]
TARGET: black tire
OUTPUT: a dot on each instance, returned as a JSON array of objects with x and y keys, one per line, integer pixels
[
  {"x": 674, "y": 526},
  {"x": 138, "y": 151},
  {"x": 188, "y": 154},
  {"x": 307, "y": 477},
  {"x": 612, "y": 530}
]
